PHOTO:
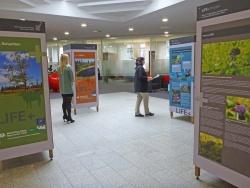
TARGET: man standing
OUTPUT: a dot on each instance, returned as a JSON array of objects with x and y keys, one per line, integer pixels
[{"x": 141, "y": 88}]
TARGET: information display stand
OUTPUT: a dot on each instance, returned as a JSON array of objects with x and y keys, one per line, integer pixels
[
  {"x": 222, "y": 93},
  {"x": 181, "y": 76},
  {"x": 25, "y": 117},
  {"x": 84, "y": 66}
]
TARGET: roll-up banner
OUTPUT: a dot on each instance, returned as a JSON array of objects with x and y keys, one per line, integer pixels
[
  {"x": 84, "y": 65},
  {"x": 25, "y": 119},
  {"x": 181, "y": 76},
  {"x": 222, "y": 77}
]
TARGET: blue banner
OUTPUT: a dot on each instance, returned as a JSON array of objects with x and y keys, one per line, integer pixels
[{"x": 181, "y": 78}]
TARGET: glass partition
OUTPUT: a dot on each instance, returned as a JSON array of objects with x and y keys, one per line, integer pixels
[
  {"x": 116, "y": 57},
  {"x": 159, "y": 62},
  {"x": 119, "y": 55},
  {"x": 53, "y": 55}
]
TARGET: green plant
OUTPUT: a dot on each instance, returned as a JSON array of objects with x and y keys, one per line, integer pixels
[{"x": 231, "y": 58}]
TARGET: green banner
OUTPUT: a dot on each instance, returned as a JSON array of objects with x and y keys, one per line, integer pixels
[{"x": 22, "y": 112}]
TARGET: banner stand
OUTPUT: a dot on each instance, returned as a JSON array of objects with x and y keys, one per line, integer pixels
[
  {"x": 84, "y": 66},
  {"x": 197, "y": 172},
  {"x": 25, "y": 119},
  {"x": 181, "y": 76},
  {"x": 222, "y": 98}
]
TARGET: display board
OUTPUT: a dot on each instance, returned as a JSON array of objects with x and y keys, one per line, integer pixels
[
  {"x": 83, "y": 58},
  {"x": 25, "y": 120},
  {"x": 181, "y": 76},
  {"x": 222, "y": 131}
]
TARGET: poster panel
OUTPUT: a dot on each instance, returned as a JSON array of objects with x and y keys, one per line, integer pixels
[
  {"x": 85, "y": 75},
  {"x": 22, "y": 112},
  {"x": 224, "y": 124},
  {"x": 181, "y": 79}
]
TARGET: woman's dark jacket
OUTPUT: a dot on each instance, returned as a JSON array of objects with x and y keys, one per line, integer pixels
[{"x": 140, "y": 80}]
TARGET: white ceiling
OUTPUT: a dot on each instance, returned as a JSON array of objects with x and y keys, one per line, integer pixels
[{"x": 108, "y": 16}]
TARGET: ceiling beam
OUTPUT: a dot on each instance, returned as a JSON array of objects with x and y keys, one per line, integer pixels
[
  {"x": 108, "y": 2},
  {"x": 155, "y": 6},
  {"x": 102, "y": 11},
  {"x": 27, "y": 2}
]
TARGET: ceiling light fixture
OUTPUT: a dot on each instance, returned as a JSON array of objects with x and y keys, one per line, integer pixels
[
  {"x": 96, "y": 31},
  {"x": 55, "y": 38},
  {"x": 166, "y": 32},
  {"x": 131, "y": 29},
  {"x": 107, "y": 35},
  {"x": 164, "y": 20},
  {"x": 22, "y": 19},
  {"x": 66, "y": 33},
  {"x": 84, "y": 25}
]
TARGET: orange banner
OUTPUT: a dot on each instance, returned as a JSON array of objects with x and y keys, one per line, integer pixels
[
  {"x": 85, "y": 90},
  {"x": 84, "y": 55},
  {"x": 85, "y": 77}
]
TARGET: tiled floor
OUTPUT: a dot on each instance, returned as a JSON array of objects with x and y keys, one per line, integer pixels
[{"x": 112, "y": 149}]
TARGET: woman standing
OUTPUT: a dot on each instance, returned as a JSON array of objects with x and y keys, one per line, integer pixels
[{"x": 66, "y": 80}]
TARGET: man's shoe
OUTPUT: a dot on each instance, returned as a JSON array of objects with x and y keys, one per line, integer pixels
[
  {"x": 149, "y": 114},
  {"x": 139, "y": 115}
]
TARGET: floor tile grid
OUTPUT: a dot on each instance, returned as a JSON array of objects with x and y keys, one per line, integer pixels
[{"x": 131, "y": 152}]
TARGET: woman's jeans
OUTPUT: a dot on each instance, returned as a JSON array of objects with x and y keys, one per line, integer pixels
[{"x": 66, "y": 105}]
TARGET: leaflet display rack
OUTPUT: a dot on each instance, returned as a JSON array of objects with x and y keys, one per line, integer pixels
[
  {"x": 25, "y": 117},
  {"x": 222, "y": 97}
]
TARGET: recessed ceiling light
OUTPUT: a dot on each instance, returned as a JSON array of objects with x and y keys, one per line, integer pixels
[
  {"x": 166, "y": 32},
  {"x": 96, "y": 31},
  {"x": 84, "y": 25},
  {"x": 55, "y": 38},
  {"x": 22, "y": 19},
  {"x": 131, "y": 29},
  {"x": 164, "y": 20},
  {"x": 66, "y": 33},
  {"x": 107, "y": 35}
]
